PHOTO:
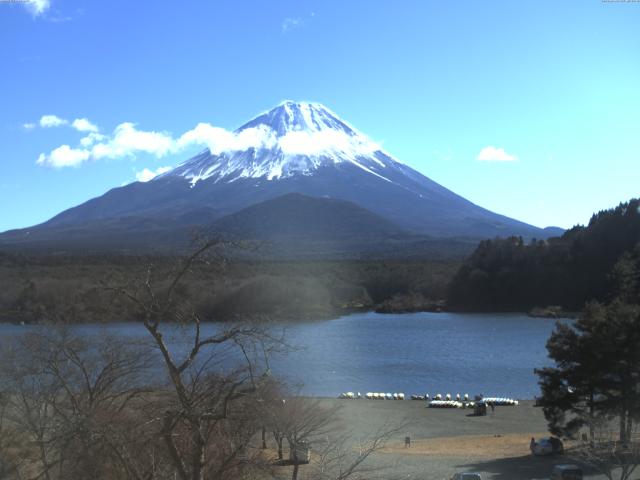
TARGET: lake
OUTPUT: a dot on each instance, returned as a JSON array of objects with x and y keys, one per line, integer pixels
[{"x": 492, "y": 354}]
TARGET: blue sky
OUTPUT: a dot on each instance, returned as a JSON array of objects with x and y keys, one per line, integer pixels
[{"x": 553, "y": 87}]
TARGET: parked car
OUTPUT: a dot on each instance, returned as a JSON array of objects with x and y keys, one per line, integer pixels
[
  {"x": 547, "y": 446},
  {"x": 467, "y": 476},
  {"x": 566, "y": 472}
]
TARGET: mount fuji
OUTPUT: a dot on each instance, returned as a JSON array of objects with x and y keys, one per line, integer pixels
[{"x": 295, "y": 148}]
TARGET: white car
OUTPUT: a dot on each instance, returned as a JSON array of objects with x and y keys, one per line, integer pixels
[
  {"x": 467, "y": 476},
  {"x": 547, "y": 446}
]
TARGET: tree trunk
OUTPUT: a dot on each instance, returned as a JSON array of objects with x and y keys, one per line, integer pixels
[
  {"x": 173, "y": 451},
  {"x": 197, "y": 459},
  {"x": 623, "y": 425},
  {"x": 293, "y": 454},
  {"x": 592, "y": 433},
  {"x": 43, "y": 457},
  {"x": 279, "y": 440}
]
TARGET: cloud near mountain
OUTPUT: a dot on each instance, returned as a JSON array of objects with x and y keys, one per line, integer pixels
[
  {"x": 146, "y": 174},
  {"x": 495, "y": 154},
  {"x": 128, "y": 141}
]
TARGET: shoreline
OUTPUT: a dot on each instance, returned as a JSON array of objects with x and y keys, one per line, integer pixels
[{"x": 312, "y": 319}]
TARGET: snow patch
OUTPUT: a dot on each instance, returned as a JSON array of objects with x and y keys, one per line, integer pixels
[{"x": 294, "y": 138}]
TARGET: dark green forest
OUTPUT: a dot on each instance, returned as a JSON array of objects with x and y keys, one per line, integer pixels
[
  {"x": 582, "y": 265},
  {"x": 77, "y": 289}
]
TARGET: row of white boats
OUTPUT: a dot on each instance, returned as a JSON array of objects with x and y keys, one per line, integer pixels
[
  {"x": 438, "y": 400},
  {"x": 373, "y": 396},
  {"x": 496, "y": 401}
]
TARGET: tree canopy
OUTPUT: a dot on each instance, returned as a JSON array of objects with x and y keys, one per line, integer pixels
[
  {"x": 511, "y": 274},
  {"x": 597, "y": 371}
]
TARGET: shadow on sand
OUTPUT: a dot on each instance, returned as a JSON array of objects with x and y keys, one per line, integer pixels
[{"x": 519, "y": 468}]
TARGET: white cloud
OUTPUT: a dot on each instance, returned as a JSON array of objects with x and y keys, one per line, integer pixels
[
  {"x": 289, "y": 24},
  {"x": 219, "y": 140},
  {"x": 92, "y": 138},
  {"x": 37, "y": 7},
  {"x": 314, "y": 143},
  {"x": 84, "y": 125},
  {"x": 494, "y": 154},
  {"x": 48, "y": 121},
  {"x": 127, "y": 140},
  {"x": 145, "y": 175},
  {"x": 64, "y": 156}
]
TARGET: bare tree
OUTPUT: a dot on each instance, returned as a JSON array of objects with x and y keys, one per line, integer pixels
[
  {"x": 208, "y": 398},
  {"x": 69, "y": 399},
  {"x": 11, "y": 443},
  {"x": 342, "y": 457},
  {"x": 300, "y": 421},
  {"x": 604, "y": 451},
  {"x": 334, "y": 454}
]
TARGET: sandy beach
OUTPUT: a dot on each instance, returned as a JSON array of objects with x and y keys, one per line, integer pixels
[{"x": 446, "y": 441}]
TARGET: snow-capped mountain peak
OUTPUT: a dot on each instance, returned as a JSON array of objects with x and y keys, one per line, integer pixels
[
  {"x": 294, "y": 138},
  {"x": 292, "y": 116}
]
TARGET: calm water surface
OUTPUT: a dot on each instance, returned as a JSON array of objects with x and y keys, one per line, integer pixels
[{"x": 493, "y": 354}]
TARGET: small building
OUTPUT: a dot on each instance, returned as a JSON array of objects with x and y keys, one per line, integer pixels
[
  {"x": 480, "y": 409},
  {"x": 300, "y": 453}
]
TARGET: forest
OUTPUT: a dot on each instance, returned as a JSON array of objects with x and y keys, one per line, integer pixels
[
  {"x": 582, "y": 265},
  {"x": 80, "y": 289}
]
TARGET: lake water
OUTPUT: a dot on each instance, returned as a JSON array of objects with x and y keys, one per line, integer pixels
[{"x": 492, "y": 354}]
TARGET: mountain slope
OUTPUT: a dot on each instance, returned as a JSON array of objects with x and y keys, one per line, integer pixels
[
  {"x": 294, "y": 148},
  {"x": 296, "y": 226},
  {"x": 296, "y": 216}
]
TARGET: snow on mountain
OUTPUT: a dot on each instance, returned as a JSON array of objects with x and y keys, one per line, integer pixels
[{"x": 293, "y": 138}]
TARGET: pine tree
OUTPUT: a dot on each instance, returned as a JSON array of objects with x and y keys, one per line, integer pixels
[{"x": 597, "y": 371}]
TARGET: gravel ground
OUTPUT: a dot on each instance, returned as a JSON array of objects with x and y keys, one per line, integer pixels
[{"x": 446, "y": 441}]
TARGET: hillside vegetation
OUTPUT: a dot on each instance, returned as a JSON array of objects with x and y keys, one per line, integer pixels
[
  {"x": 583, "y": 264},
  {"x": 78, "y": 289}
]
